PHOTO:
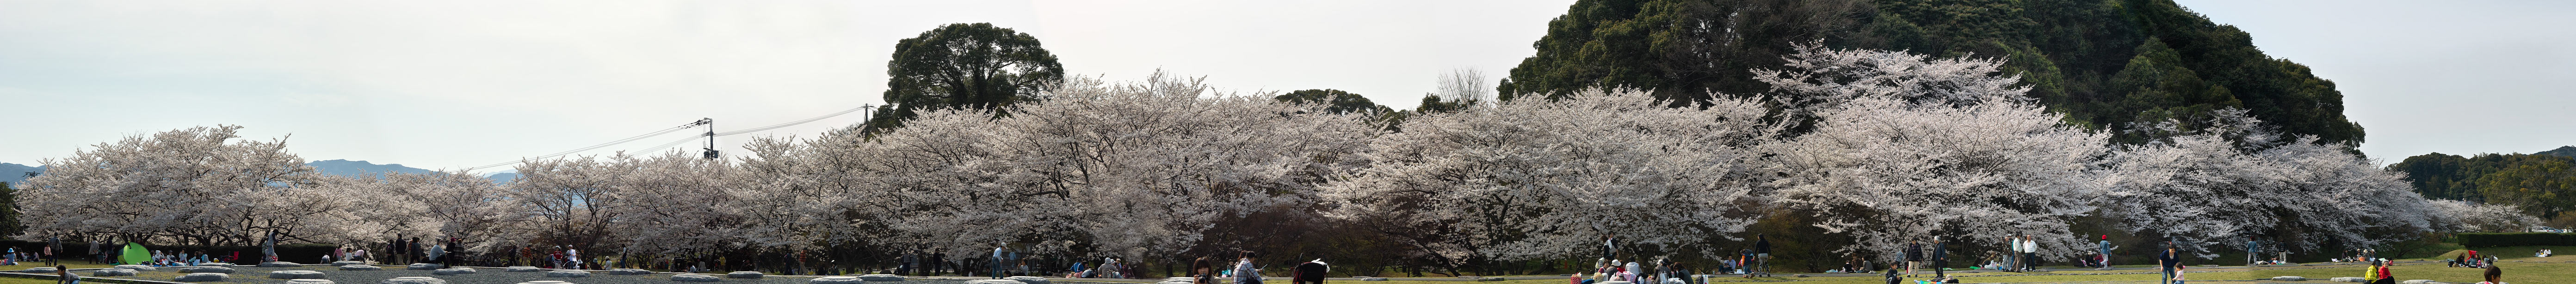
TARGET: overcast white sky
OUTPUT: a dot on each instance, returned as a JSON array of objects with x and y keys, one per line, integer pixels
[{"x": 452, "y": 84}]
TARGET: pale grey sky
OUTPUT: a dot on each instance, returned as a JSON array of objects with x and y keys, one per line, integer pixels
[{"x": 451, "y": 84}]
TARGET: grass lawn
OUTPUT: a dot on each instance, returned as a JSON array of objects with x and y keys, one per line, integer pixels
[{"x": 2517, "y": 263}]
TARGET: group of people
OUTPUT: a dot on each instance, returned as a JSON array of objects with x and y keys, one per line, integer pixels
[
  {"x": 1109, "y": 267},
  {"x": 182, "y": 258},
  {"x": 13, "y": 257},
  {"x": 1748, "y": 262},
  {"x": 2472, "y": 259}
]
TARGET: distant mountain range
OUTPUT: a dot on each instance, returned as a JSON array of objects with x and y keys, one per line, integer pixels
[{"x": 16, "y": 173}]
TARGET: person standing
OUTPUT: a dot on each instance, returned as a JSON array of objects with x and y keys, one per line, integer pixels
[
  {"x": 997, "y": 263},
  {"x": 2012, "y": 253},
  {"x": 2167, "y": 263},
  {"x": 1761, "y": 254},
  {"x": 1940, "y": 258},
  {"x": 2030, "y": 252},
  {"x": 2253, "y": 248},
  {"x": 1913, "y": 257},
  {"x": 2106, "y": 251}
]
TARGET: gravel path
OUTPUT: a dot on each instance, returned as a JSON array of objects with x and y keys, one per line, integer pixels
[{"x": 493, "y": 275}]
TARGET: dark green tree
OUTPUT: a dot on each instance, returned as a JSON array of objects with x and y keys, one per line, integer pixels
[
  {"x": 2105, "y": 63},
  {"x": 964, "y": 66},
  {"x": 9, "y": 224},
  {"x": 1334, "y": 101}
]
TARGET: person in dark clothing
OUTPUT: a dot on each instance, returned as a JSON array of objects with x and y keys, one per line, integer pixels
[
  {"x": 1913, "y": 257},
  {"x": 1892, "y": 278},
  {"x": 2167, "y": 262},
  {"x": 1761, "y": 254},
  {"x": 1940, "y": 258}
]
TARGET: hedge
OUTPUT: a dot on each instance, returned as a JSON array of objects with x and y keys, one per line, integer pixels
[
  {"x": 2483, "y": 240},
  {"x": 299, "y": 253}
]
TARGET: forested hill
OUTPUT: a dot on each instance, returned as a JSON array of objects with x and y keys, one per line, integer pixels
[{"x": 2105, "y": 63}]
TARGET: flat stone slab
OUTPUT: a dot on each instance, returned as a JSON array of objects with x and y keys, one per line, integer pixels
[
  {"x": 522, "y": 269},
  {"x": 991, "y": 281},
  {"x": 629, "y": 271},
  {"x": 2347, "y": 279},
  {"x": 695, "y": 278},
  {"x": 836, "y": 280},
  {"x": 280, "y": 264},
  {"x": 308, "y": 281},
  {"x": 413, "y": 280},
  {"x": 567, "y": 273},
  {"x": 136, "y": 267},
  {"x": 752, "y": 275},
  {"x": 2289, "y": 278},
  {"x": 880, "y": 277},
  {"x": 424, "y": 266},
  {"x": 1373, "y": 279},
  {"x": 295, "y": 274},
  {"x": 346, "y": 262},
  {"x": 203, "y": 277},
  {"x": 202, "y": 269},
  {"x": 214, "y": 264},
  {"x": 360, "y": 268},
  {"x": 452, "y": 271},
  {"x": 40, "y": 270},
  {"x": 111, "y": 272},
  {"x": 1027, "y": 279},
  {"x": 545, "y": 282},
  {"x": 2416, "y": 281}
]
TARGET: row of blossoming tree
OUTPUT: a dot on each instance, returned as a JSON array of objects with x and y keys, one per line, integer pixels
[{"x": 1874, "y": 149}]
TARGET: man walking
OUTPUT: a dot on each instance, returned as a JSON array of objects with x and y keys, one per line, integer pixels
[
  {"x": 1940, "y": 258},
  {"x": 1761, "y": 255}
]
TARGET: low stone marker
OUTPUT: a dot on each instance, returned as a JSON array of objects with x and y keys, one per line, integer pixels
[
  {"x": 111, "y": 272},
  {"x": 991, "y": 281},
  {"x": 308, "y": 281},
  {"x": 1373, "y": 279},
  {"x": 347, "y": 262},
  {"x": 1027, "y": 279},
  {"x": 2418, "y": 281},
  {"x": 2289, "y": 278},
  {"x": 452, "y": 271},
  {"x": 695, "y": 278},
  {"x": 136, "y": 267},
  {"x": 836, "y": 280},
  {"x": 40, "y": 270},
  {"x": 523, "y": 269},
  {"x": 425, "y": 266},
  {"x": 567, "y": 273},
  {"x": 880, "y": 277},
  {"x": 202, "y": 277},
  {"x": 2347, "y": 279},
  {"x": 280, "y": 264},
  {"x": 214, "y": 264},
  {"x": 204, "y": 269},
  {"x": 295, "y": 274},
  {"x": 413, "y": 280},
  {"x": 629, "y": 271},
  {"x": 743, "y": 275},
  {"x": 360, "y": 268},
  {"x": 1175, "y": 280},
  {"x": 545, "y": 282}
]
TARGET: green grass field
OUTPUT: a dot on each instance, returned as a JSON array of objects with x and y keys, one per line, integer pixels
[{"x": 2518, "y": 265}]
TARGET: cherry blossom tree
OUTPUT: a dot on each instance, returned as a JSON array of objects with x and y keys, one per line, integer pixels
[
  {"x": 1903, "y": 147},
  {"x": 197, "y": 185},
  {"x": 1539, "y": 179}
]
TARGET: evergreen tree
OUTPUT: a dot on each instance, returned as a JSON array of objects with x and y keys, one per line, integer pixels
[{"x": 964, "y": 66}]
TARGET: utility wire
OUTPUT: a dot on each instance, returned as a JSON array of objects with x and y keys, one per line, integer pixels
[
  {"x": 791, "y": 123},
  {"x": 601, "y": 145}
]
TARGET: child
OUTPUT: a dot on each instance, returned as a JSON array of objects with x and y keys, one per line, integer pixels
[{"x": 2494, "y": 276}]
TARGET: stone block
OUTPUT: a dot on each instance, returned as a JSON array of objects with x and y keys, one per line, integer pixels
[
  {"x": 1373, "y": 279},
  {"x": 2289, "y": 278},
  {"x": 2346, "y": 279},
  {"x": 545, "y": 282},
  {"x": 346, "y": 262},
  {"x": 136, "y": 267},
  {"x": 836, "y": 280},
  {"x": 111, "y": 272},
  {"x": 629, "y": 271},
  {"x": 695, "y": 278},
  {"x": 214, "y": 264},
  {"x": 1027, "y": 279},
  {"x": 880, "y": 278},
  {"x": 202, "y": 277},
  {"x": 452, "y": 271},
  {"x": 424, "y": 266},
  {"x": 413, "y": 280},
  {"x": 523, "y": 269},
  {"x": 991, "y": 281},
  {"x": 280, "y": 264},
  {"x": 360, "y": 268},
  {"x": 567, "y": 273},
  {"x": 308, "y": 281},
  {"x": 47, "y": 270},
  {"x": 295, "y": 274},
  {"x": 743, "y": 275}
]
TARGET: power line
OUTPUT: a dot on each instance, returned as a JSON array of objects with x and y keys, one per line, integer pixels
[{"x": 684, "y": 140}]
